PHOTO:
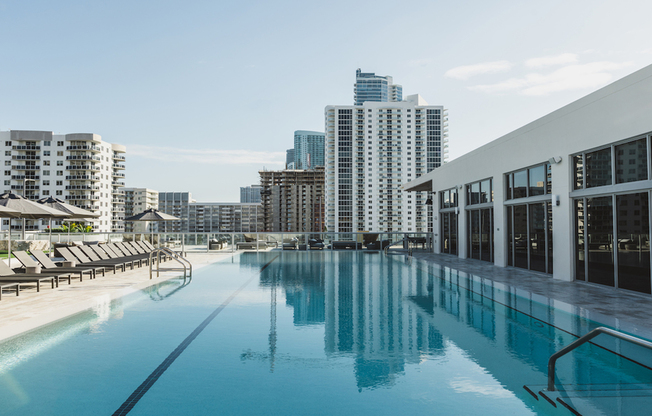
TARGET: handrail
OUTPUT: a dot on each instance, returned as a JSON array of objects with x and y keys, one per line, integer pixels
[
  {"x": 586, "y": 338},
  {"x": 409, "y": 248},
  {"x": 173, "y": 255}
]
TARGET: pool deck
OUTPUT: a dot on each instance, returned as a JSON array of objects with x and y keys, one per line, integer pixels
[
  {"x": 623, "y": 309},
  {"x": 619, "y": 308},
  {"x": 32, "y": 309}
]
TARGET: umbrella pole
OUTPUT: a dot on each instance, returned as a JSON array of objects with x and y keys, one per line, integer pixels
[
  {"x": 50, "y": 247},
  {"x": 9, "y": 244},
  {"x": 24, "y": 222}
]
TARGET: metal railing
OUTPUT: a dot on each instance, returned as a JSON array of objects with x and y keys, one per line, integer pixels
[
  {"x": 172, "y": 255},
  {"x": 584, "y": 339}
]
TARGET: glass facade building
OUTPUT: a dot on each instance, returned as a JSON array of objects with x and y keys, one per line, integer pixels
[
  {"x": 371, "y": 87},
  {"x": 308, "y": 149}
]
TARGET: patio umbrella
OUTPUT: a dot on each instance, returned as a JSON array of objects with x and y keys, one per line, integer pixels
[
  {"x": 73, "y": 211},
  {"x": 27, "y": 209},
  {"x": 152, "y": 214}
]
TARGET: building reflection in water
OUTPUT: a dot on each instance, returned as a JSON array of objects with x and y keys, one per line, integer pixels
[{"x": 361, "y": 304}]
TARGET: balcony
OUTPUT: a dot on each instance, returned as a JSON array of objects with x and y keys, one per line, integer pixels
[
  {"x": 118, "y": 175},
  {"x": 118, "y": 166},
  {"x": 117, "y": 183},
  {"x": 84, "y": 157},
  {"x": 26, "y": 167},
  {"x": 118, "y": 157},
  {"x": 82, "y": 178},
  {"x": 82, "y": 187},
  {"x": 89, "y": 207},
  {"x": 83, "y": 167},
  {"x": 26, "y": 187},
  {"x": 26, "y": 157},
  {"x": 85, "y": 197},
  {"x": 92, "y": 148},
  {"x": 23, "y": 177},
  {"x": 30, "y": 147},
  {"x": 117, "y": 201}
]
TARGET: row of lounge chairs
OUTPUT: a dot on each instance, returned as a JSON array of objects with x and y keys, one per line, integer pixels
[{"x": 87, "y": 262}]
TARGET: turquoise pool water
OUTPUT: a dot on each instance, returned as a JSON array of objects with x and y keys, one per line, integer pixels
[{"x": 328, "y": 333}]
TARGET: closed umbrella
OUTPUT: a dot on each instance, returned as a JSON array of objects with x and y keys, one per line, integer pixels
[
  {"x": 152, "y": 214},
  {"x": 72, "y": 211},
  {"x": 27, "y": 209}
]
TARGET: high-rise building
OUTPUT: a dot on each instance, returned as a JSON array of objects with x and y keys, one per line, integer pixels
[
  {"x": 371, "y": 150},
  {"x": 308, "y": 149},
  {"x": 81, "y": 169},
  {"x": 289, "y": 158},
  {"x": 371, "y": 87},
  {"x": 293, "y": 200},
  {"x": 250, "y": 194},
  {"x": 138, "y": 200}
]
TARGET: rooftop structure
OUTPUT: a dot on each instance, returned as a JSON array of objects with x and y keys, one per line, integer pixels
[{"x": 567, "y": 194}]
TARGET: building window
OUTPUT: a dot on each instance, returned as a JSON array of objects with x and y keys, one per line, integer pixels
[
  {"x": 59, "y": 192},
  {"x": 46, "y": 192},
  {"x": 58, "y": 183},
  {"x": 59, "y": 153},
  {"x": 59, "y": 162},
  {"x": 627, "y": 161},
  {"x": 46, "y": 173},
  {"x": 8, "y": 143},
  {"x": 46, "y": 142},
  {"x": 59, "y": 173},
  {"x": 46, "y": 153},
  {"x": 46, "y": 183},
  {"x": 59, "y": 143},
  {"x": 534, "y": 181},
  {"x": 480, "y": 192},
  {"x": 46, "y": 163}
]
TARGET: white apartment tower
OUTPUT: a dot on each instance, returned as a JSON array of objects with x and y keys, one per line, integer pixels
[
  {"x": 79, "y": 168},
  {"x": 371, "y": 150},
  {"x": 138, "y": 200}
]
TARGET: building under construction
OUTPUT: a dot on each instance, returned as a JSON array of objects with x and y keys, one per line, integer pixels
[{"x": 293, "y": 200}]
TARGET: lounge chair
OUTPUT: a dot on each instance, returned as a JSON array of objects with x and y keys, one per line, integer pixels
[
  {"x": 115, "y": 253},
  {"x": 28, "y": 261},
  {"x": 79, "y": 257},
  {"x": 8, "y": 276},
  {"x": 48, "y": 264},
  {"x": 290, "y": 244},
  {"x": 115, "y": 263},
  {"x": 8, "y": 285}
]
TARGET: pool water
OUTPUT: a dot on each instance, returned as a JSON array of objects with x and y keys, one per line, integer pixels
[{"x": 308, "y": 333}]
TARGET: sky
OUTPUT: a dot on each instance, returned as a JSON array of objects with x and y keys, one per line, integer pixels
[{"x": 205, "y": 94}]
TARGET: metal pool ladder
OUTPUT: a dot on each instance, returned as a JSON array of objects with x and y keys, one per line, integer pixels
[
  {"x": 586, "y": 338},
  {"x": 187, "y": 266}
]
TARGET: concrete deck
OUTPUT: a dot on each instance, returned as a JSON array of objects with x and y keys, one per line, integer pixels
[
  {"x": 33, "y": 309},
  {"x": 619, "y": 308}
]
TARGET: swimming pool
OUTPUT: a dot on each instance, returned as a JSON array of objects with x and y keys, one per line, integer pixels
[{"x": 315, "y": 333}]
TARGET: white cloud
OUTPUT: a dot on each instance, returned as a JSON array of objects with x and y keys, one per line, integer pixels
[
  {"x": 468, "y": 71},
  {"x": 213, "y": 156},
  {"x": 570, "y": 77},
  {"x": 420, "y": 62},
  {"x": 543, "y": 61}
]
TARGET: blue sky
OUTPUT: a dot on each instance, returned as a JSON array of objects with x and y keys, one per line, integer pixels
[{"x": 204, "y": 94}]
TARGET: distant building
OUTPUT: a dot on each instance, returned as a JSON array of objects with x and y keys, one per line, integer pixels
[
  {"x": 371, "y": 87},
  {"x": 138, "y": 200},
  {"x": 308, "y": 149},
  {"x": 373, "y": 149},
  {"x": 225, "y": 217},
  {"x": 250, "y": 194},
  {"x": 293, "y": 200},
  {"x": 79, "y": 168},
  {"x": 177, "y": 204},
  {"x": 208, "y": 217},
  {"x": 289, "y": 158}
]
